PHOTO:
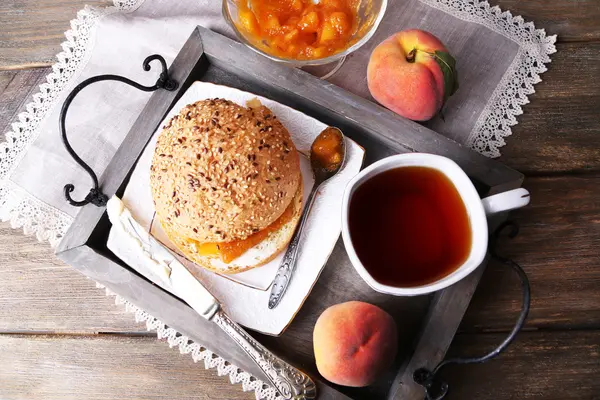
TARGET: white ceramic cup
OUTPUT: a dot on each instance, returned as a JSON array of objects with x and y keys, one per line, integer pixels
[{"x": 477, "y": 209}]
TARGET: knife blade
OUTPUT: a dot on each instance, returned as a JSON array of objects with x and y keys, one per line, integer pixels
[{"x": 169, "y": 273}]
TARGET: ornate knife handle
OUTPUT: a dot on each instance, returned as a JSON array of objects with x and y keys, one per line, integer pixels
[{"x": 289, "y": 381}]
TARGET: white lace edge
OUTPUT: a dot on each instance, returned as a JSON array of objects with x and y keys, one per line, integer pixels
[
  {"x": 499, "y": 115},
  {"x": 198, "y": 352},
  {"x": 25, "y": 211},
  {"x": 16, "y": 205}
]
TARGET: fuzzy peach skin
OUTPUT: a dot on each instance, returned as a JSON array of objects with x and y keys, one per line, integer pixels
[
  {"x": 413, "y": 89},
  {"x": 354, "y": 343}
]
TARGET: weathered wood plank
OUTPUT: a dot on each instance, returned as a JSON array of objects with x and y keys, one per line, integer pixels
[
  {"x": 548, "y": 365},
  {"x": 32, "y": 32},
  {"x": 559, "y": 129},
  {"x": 540, "y": 365},
  {"x": 5, "y": 78},
  {"x": 570, "y": 20},
  {"x": 105, "y": 367},
  {"x": 558, "y": 248},
  {"x": 16, "y": 89},
  {"x": 40, "y": 293}
]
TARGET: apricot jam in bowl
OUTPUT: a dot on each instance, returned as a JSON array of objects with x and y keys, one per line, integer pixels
[{"x": 304, "y": 32}]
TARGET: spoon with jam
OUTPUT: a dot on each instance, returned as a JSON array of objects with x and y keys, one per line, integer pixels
[{"x": 327, "y": 155}]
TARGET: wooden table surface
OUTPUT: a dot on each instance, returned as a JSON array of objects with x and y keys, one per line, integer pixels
[{"x": 61, "y": 338}]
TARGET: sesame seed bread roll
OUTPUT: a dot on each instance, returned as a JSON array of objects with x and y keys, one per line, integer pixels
[
  {"x": 256, "y": 256},
  {"x": 222, "y": 172}
]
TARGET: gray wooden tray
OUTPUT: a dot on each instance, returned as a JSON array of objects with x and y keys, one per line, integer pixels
[{"x": 427, "y": 324}]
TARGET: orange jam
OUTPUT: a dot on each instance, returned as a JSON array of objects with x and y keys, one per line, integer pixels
[
  {"x": 299, "y": 29},
  {"x": 327, "y": 149},
  {"x": 229, "y": 251}
]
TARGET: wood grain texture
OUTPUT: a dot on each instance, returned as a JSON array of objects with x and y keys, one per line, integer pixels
[
  {"x": 105, "y": 368},
  {"x": 558, "y": 248},
  {"x": 38, "y": 292},
  {"x": 16, "y": 89},
  {"x": 570, "y": 20},
  {"x": 32, "y": 31},
  {"x": 549, "y": 366},
  {"x": 5, "y": 78},
  {"x": 559, "y": 129},
  {"x": 538, "y": 365}
]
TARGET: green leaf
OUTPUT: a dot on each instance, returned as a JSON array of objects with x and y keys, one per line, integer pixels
[{"x": 447, "y": 64}]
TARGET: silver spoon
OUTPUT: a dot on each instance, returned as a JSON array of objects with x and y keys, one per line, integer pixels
[{"x": 327, "y": 155}]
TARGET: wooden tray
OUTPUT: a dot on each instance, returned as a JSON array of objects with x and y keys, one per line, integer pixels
[{"x": 427, "y": 324}]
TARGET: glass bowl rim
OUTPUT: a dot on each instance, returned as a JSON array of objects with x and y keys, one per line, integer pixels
[{"x": 301, "y": 63}]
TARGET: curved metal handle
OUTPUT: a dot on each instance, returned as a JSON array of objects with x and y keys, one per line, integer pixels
[
  {"x": 426, "y": 378},
  {"x": 289, "y": 381},
  {"x": 288, "y": 264},
  {"x": 95, "y": 196}
]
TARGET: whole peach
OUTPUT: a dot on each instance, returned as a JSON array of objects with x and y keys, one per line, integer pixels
[
  {"x": 354, "y": 343},
  {"x": 405, "y": 76}
]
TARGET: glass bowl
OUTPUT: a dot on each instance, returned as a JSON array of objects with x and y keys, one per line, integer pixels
[{"x": 370, "y": 13}]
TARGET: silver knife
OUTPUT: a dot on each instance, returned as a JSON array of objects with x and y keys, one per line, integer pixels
[{"x": 174, "y": 277}]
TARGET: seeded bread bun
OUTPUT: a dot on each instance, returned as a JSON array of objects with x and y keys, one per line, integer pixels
[
  {"x": 222, "y": 172},
  {"x": 254, "y": 257}
]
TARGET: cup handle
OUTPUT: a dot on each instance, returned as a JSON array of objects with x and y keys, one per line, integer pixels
[{"x": 506, "y": 201}]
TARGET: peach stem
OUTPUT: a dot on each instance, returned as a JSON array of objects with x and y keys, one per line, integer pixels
[{"x": 410, "y": 57}]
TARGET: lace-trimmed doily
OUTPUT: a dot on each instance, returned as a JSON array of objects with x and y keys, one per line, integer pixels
[
  {"x": 197, "y": 351},
  {"x": 517, "y": 83},
  {"x": 16, "y": 205},
  {"x": 36, "y": 217}
]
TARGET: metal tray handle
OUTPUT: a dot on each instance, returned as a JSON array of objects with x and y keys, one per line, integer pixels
[
  {"x": 95, "y": 196},
  {"x": 435, "y": 390}
]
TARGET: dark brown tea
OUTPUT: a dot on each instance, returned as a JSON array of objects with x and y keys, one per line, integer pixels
[{"x": 409, "y": 226}]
